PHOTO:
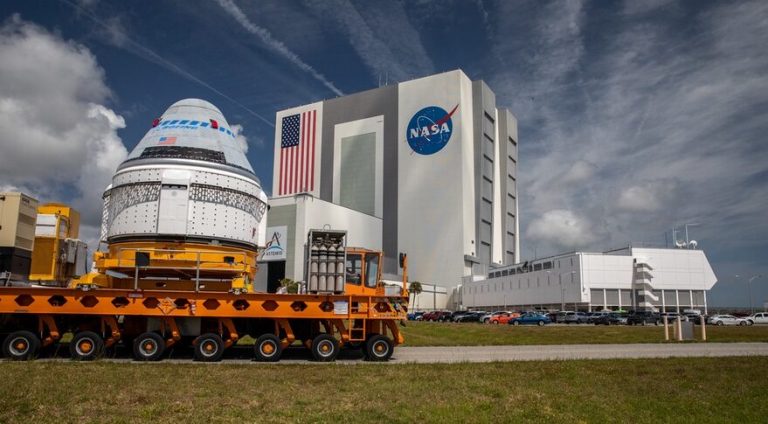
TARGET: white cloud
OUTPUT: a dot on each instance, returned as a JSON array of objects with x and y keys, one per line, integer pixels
[
  {"x": 666, "y": 124},
  {"x": 580, "y": 171},
  {"x": 640, "y": 199},
  {"x": 58, "y": 140},
  {"x": 240, "y": 138},
  {"x": 561, "y": 228}
]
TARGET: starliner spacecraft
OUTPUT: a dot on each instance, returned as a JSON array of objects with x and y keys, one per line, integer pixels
[{"x": 185, "y": 210}]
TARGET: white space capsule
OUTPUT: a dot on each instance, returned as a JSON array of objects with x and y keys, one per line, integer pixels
[{"x": 187, "y": 180}]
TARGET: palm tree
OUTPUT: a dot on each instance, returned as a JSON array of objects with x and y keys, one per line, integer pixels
[
  {"x": 289, "y": 285},
  {"x": 414, "y": 288}
]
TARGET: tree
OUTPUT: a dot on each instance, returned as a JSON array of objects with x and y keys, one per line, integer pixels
[
  {"x": 414, "y": 289},
  {"x": 289, "y": 285}
]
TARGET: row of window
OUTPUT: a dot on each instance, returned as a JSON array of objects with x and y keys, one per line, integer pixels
[
  {"x": 510, "y": 285},
  {"x": 526, "y": 267}
]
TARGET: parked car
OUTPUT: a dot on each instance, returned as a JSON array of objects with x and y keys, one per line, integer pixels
[
  {"x": 504, "y": 317},
  {"x": 471, "y": 317},
  {"x": 443, "y": 316},
  {"x": 415, "y": 316},
  {"x": 456, "y": 314},
  {"x": 560, "y": 316},
  {"x": 486, "y": 319},
  {"x": 693, "y": 317},
  {"x": 726, "y": 320},
  {"x": 431, "y": 316},
  {"x": 612, "y": 318},
  {"x": 531, "y": 319},
  {"x": 758, "y": 318},
  {"x": 643, "y": 318},
  {"x": 592, "y": 316},
  {"x": 571, "y": 317}
]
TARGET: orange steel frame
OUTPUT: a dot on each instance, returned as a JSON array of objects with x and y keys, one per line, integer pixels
[{"x": 364, "y": 314}]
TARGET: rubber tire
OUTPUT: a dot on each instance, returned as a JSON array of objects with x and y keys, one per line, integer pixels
[
  {"x": 97, "y": 346},
  {"x": 515, "y": 322},
  {"x": 143, "y": 339},
  {"x": 379, "y": 341},
  {"x": 495, "y": 322},
  {"x": 32, "y": 344},
  {"x": 325, "y": 341},
  {"x": 743, "y": 323},
  {"x": 540, "y": 323},
  {"x": 266, "y": 340},
  {"x": 719, "y": 323},
  {"x": 203, "y": 355}
]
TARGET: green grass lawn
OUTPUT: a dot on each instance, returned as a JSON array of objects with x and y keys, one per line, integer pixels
[
  {"x": 699, "y": 390},
  {"x": 473, "y": 334}
]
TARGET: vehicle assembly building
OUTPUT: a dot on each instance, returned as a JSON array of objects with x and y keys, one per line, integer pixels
[{"x": 426, "y": 167}]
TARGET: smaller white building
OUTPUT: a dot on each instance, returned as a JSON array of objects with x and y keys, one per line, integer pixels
[{"x": 667, "y": 280}]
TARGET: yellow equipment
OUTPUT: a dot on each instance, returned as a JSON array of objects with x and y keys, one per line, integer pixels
[{"x": 58, "y": 255}]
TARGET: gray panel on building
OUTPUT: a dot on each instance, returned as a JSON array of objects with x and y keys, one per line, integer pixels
[{"x": 357, "y": 185}]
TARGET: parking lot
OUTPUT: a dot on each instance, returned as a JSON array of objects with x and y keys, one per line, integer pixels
[{"x": 541, "y": 318}]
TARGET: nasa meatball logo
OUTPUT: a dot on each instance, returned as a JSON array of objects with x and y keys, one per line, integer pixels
[{"x": 430, "y": 130}]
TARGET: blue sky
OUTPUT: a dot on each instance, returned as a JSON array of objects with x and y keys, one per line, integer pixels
[{"x": 634, "y": 116}]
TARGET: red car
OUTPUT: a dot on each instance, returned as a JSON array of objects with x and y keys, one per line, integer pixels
[
  {"x": 503, "y": 318},
  {"x": 429, "y": 316},
  {"x": 435, "y": 316}
]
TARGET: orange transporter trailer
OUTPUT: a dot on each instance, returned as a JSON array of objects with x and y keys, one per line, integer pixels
[{"x": 150, "y": 321}]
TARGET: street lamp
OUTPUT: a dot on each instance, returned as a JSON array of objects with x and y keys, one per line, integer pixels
[{"x": 749, "y": 290}]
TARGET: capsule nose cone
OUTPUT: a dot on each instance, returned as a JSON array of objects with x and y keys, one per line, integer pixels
[
  {"x": 192, "y": 129},
  {"x": 197, "y": 107}
]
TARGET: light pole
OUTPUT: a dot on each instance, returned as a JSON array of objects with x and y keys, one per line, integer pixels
[{"x": 749, "y": 289}]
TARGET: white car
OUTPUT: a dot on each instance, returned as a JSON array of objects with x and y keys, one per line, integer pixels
[
  {"x": 726, "y": 320},
  {"x": 758, "y": 318}
]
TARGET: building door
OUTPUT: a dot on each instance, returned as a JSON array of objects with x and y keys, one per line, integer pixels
[{"x": 275, "y": 273}]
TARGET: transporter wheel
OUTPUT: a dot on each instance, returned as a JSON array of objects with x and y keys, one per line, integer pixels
[
  {"x": 148, "y": 347},
  {"x": 21, "y": 346},
  {"x": 325, "y": 348},
  {"x": 379, "y": 348},
  {"x": 268, "y": 348},
  {"x": 86, "y": 346},
  {"x": 208, "y": 348}
]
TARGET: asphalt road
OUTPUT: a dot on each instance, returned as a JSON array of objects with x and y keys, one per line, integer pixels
[
  {"x": 459, "y": 354},
  {"x": 572, "y": 352}
]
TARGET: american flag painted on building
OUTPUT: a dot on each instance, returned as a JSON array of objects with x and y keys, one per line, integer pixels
[{"x": 297, "y": 153}]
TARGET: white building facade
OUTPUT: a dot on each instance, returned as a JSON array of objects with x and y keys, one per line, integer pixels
[
  {"x": 666, "y": 280},
  {"x": 425, "y": 167}
]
